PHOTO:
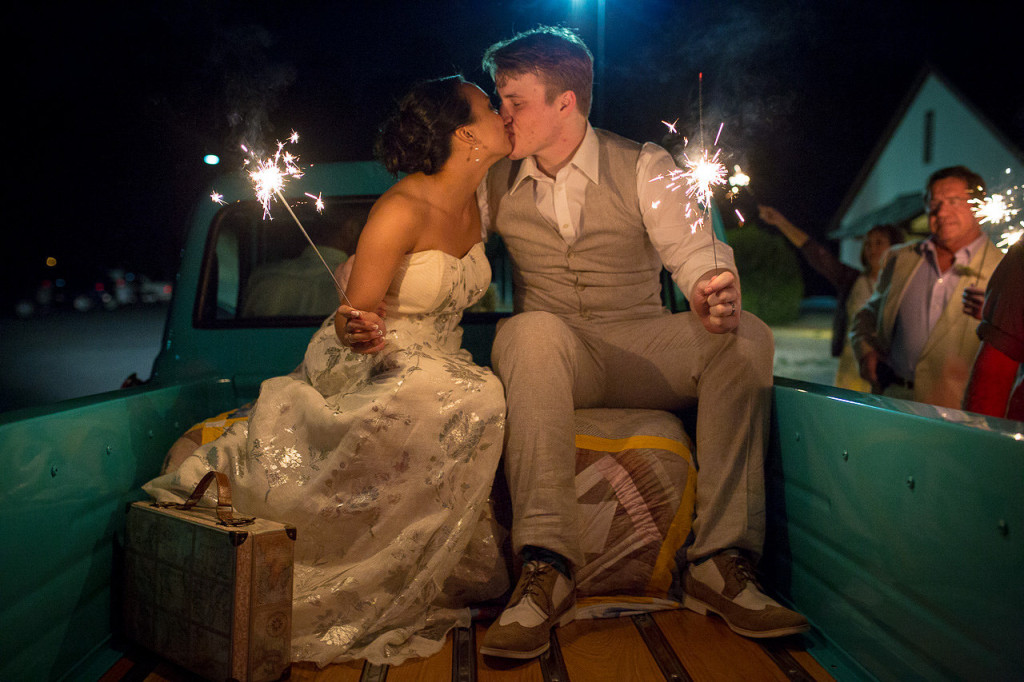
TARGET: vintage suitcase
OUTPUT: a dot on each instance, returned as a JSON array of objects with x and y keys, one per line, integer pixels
[{"x": 209, "y": 590}]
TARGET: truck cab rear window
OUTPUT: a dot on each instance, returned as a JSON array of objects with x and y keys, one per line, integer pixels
[{"x": 261, "y": 272}]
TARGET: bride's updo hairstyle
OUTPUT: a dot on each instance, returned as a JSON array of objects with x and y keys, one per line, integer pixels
[{"x": 418, "y": 136}]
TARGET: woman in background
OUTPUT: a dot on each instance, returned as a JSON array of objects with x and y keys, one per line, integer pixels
[{"x": 853, "y": 286}]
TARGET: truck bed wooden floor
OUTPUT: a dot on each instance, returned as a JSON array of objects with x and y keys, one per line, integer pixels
[{"x": 670, "y": 645}]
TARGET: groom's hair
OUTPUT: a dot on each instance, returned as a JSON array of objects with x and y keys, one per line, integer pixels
[{"x": 555, "y": 54}]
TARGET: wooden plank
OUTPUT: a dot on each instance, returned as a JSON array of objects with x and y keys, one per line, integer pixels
[
  {"x": 350, "y": 671},
  {"x": 121, "y": 670},
  {"x": 709, "y": 650},
  {"x": 659, "y": 647},
  {"x": 492, "y": 669},
  {"x": 810, "y": 665},
  {"x": 434, "y": 669},
  {"x": 784, "y": 659},
  {"x": 607, "y": 649},
  {"x": 611, "y": 649},
  {"x": 168, "y": 672}
]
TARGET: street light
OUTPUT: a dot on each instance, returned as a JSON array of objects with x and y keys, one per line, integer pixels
[{"x": 578, "y": 7}]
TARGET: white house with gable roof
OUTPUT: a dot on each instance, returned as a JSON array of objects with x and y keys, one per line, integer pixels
[{"x": 936, "y": 127}]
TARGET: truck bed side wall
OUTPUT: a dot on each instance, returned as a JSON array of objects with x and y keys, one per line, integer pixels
[
  {"x": 69, "y": 472},
  {"x": 900, "y": 536}
]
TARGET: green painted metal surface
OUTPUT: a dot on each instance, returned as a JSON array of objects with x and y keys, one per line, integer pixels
[
  {"x": 69, "y": 471},
  {"x": 899, "y": 530}
]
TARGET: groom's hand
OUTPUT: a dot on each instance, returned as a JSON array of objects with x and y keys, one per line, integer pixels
[
  {"x": 716, "y": 300},
  {"x": 360, "y": 330}
]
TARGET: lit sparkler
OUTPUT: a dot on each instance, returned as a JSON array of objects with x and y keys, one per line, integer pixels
[
  {"x": 738, "y": 180},
  {"x": 993, "y": 209},
  {"x": 997, "y": 213},
  {"x": 318, "y": 201},
  {"x": 738, "y": 183},
  {"x": 269, "y": 177},
  {"x": 700, "y": 175}
]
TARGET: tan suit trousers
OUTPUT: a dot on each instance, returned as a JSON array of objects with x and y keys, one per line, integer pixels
[{"x": 552, "y": 365}]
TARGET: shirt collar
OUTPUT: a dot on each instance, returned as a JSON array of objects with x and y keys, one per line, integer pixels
[
  {"x": 967, "y": 251},
  {"x": 961, "y": 257},
  {"x": 586, "y": 160}
]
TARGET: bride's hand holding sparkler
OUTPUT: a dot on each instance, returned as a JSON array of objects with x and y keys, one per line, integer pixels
[
  {"x": 716, "y": 300},
  {"x": 360, "y": 330},
  {"x": 356, "y": 329}
]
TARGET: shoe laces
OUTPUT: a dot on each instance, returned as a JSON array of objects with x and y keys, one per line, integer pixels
[
  {"x": 532, "y": 577},
  {"x": 741, "y": 570}
]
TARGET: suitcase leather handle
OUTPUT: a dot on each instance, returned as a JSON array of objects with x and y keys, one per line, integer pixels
[{"x": 225, "y": 511}]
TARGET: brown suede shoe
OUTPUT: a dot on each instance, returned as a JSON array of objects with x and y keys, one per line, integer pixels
[
  {"x": 725, "y": 584},
  {"x": 543, "y": 598}
]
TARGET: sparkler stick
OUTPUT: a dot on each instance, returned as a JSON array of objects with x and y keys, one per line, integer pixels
[
  {"x": 706, "y": 183},
  {"x": 268, "y": 180},
  {"x": 701, "y": 175},
  {"x": 341, "y": 290}
]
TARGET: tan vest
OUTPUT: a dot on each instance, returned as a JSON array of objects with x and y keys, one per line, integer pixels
[{"x": 611, "y": 271}]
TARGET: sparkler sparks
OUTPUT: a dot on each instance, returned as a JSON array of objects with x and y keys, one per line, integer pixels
[
  {"x": 738, "y": 182},
  {"x": 997, "y": 213},
  {"x": 700, "y": 176},
  {"x": 738, "y": 179},
  {"x": 271, "y": 174},
  {"x": 703, "y": 175},
  {"x": 994, "y": 209},
  {"x": 318, "y": 201},
  {"x": 269, "y": 177}
]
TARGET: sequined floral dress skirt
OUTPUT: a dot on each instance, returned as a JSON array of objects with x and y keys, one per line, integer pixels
[{"x": 384, "y": 464}]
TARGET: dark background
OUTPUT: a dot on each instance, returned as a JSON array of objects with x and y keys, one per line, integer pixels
[{"x": 115, "y": 106}]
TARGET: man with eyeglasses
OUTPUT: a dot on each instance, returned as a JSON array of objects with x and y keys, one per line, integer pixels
[{"x": 915, "y": 337}]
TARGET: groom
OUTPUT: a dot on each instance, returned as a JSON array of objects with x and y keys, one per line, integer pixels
[{"x": 588, "y": 225}]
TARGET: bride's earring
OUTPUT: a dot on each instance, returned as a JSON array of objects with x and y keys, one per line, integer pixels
[{"x": 473, "y": 153}]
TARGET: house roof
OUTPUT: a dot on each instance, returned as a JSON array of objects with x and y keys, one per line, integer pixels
[
  {"x": 901, "y": 209},
  {"x": 906, "y": 205}
]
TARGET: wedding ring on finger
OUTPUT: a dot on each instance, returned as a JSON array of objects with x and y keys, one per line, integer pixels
[{"x": 733, "y": 311}]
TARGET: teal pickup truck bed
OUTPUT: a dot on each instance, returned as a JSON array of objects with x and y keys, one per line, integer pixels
[{"x": 898, "y": 529}]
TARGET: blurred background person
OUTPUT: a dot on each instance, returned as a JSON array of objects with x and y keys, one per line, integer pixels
[
  {"x": 996, "y": 386},
  {"x": 853, "y": 286},
  {"x": 913, "y": 339}
]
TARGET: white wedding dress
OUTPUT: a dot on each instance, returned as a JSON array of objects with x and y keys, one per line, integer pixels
[{"x": 384, "y": 465}]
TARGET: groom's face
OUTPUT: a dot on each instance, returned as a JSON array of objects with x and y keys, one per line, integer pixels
[{"x": 532, "y": 122}]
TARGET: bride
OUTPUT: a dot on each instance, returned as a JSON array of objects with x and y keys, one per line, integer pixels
[{"x": 383, "y": 457}]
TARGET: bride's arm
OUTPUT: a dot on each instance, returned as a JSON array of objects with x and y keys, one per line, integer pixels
[{"x": 388, "y": 236}]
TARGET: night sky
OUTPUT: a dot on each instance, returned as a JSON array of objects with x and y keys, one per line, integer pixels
[{"x": 115, "y": 107}]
